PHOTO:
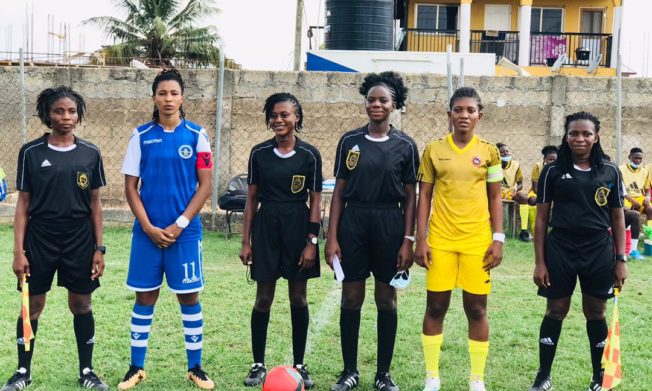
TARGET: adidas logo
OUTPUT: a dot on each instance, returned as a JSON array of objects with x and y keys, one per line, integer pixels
[
  {"x": 135, "y": 335},
  {"x": 20, "y": 341},
  {"x": 611, "y": 290},
  {"x": 601, "y": 344},
  {"x": 194, "y": 338},
  {"x": 547, "y": 341},
  {"x": 91, "y": 341},
  {"x": 46, "y": 163},
  {"x": 566, "y": 176}
]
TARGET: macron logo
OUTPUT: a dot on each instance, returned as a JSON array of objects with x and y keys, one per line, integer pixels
[
  {"x": 547, "y": 341},
  {"x": 153, "y": 141},
  {"x": 46, "y": 163}
]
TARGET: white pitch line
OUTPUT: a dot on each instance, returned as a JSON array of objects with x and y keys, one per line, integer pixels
[{"x": 323, "y": 317}]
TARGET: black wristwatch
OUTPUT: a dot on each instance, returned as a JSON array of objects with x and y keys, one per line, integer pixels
[
  {"x": 621, "y": 257},
  {"x": 101, "y": 249}
]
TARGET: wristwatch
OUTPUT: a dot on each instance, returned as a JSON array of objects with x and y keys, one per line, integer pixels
[
  {"x": 182, "y": 221},
  {"x": 312, "y": 240},
  {"x": 101, "y": 249},
  {"x": 621, "y": 257},
  {"x": 410, "y": 238}
]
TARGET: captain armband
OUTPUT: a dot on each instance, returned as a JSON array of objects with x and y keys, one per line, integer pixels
[
  {"x": 495, "y": 173},
  {"x": 204, "y": 160}
]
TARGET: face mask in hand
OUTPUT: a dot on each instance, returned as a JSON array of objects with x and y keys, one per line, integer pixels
[{"x": 401, "y": 280}]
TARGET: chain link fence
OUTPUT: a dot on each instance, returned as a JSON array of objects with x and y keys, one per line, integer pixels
[{"x": 523, "y": 113}]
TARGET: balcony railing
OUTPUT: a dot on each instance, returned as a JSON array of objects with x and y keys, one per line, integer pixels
[{"x": 580, "y": 48}]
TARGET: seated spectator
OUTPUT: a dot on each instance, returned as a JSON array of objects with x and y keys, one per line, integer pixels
[
  {"x": 637, "y": 199},
  {"x": 512, "y": 187}
]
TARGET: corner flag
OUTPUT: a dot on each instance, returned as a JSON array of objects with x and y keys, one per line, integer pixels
[
  {"x": 611, "y": 357},
  {"x": 28, "y": 334}
]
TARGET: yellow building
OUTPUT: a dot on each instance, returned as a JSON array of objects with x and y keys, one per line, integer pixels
[{"x": 577, "y": 35}]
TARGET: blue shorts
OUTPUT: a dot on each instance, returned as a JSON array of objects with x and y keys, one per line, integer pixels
[{"x": 181, "y": 263}]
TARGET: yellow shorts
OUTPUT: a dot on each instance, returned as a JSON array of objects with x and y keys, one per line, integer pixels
[
  {"x": 639, "y": 199},
  {"x": 453, "y": 269}
]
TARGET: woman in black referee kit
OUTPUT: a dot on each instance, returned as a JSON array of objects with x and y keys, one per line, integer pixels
[
  {"x": 585, "y": 192},
  {"x": 58, "y": 226},
  {"x": 279, "y": 239},
  {"x": 371, "y": 224}
]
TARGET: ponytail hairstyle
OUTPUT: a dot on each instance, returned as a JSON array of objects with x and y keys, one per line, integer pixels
[
  {"x": 565, "y": 157},
  {"x": 48, "y": 96},
  {"x": 465, "y": 92},
  {"x": 279, "y": 97},
  {"x": 165, "y": 75},
  {"x": 390, "y": 80}
]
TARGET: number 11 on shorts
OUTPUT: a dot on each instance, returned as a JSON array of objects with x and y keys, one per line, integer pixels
[{"x": 187, "y": 279}]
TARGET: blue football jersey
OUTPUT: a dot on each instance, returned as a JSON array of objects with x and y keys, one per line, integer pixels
[{"x": 166, "y": 163}]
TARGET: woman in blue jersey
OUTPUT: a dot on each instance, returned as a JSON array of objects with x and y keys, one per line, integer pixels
[{"x": 167, "y": 172}]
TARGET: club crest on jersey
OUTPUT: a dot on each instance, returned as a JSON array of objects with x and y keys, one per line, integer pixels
[
  {"x": 82, "y": 180},
  {"x": 185, "y": 151},
  {"x": 476, "y": 161},
  {"x": 601, "y": 196},
  {"x": 298, "y": 182},
  {"x": 353, "y": 157}
]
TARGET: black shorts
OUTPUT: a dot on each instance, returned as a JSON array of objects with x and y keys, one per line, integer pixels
[
  {"x": 587, "y": 256},
  {"x": 279, "y": 236},
  {"x": 67, "y": 250},
  {"x": 370, "y": 236}
]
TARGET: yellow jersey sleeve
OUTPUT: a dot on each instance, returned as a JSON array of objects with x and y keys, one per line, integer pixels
[
  {"x": 519, "y": 174},
  {"x": 494, "y": 169},
  {"x": 536, "y": 171},
  {"x": 426, "y": 168}
]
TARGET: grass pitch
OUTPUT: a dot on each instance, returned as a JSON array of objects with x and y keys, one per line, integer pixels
[{"x": 515, "y": 313}]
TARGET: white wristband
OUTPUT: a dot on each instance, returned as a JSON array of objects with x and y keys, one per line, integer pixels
[{"x": 499, "y": 236}]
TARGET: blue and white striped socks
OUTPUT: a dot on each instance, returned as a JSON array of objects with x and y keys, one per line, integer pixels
[
  {"x": 193, "y": 329},
  {"x": 141, "y": 324}
]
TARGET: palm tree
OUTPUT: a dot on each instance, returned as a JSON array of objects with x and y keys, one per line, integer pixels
[{"x": 162, "y": 33}]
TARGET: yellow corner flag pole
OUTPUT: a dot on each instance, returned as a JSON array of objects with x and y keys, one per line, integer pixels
[
  {"x": 611, "y": 357},
  {"x": 28, "y": 334}
]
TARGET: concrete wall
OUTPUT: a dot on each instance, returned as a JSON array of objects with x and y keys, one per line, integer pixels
[{"x": 525, "y": 113}]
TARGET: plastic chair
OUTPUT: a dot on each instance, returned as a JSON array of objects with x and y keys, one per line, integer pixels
[{"x": 234, "y": 199}]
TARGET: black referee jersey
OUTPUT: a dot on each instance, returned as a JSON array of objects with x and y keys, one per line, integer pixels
[
  {"x": 285, "y": 178},
  {"x": 59, "y": 180},
  {"x": 582, "y": 199},
  {"x": 375, "y": 170}
]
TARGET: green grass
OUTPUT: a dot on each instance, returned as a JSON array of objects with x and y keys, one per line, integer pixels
[{"x": 514, "y": 309}]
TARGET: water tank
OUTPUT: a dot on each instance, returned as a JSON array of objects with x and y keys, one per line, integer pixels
[{"x": 359, "y": 25}]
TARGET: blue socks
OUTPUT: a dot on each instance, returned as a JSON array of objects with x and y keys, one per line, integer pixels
[
  {"x": 193, "y": 329},
  {"x": 141, "y": 324}
]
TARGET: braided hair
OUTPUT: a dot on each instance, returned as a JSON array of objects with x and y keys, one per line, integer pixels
[
  {"x": 390, "y": 80},
  {"x": 165, "y": 75},
  {"x": 48, "y": 96},
  {"x": 279, "y": 97},
  {"x": 465, "y": 92},
  {"x": 565, "y": 156}
]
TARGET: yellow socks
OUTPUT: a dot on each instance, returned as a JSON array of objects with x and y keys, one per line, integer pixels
[
  {"x": 532, "y": 216},
  {"x": 524, "y": 212},
  {"x": 478, "y": 351},
  {"x": 431, "y": 349}
]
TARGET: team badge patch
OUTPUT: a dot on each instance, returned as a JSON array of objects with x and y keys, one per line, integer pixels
[
  {"x": 298, "y": 182},
  {"x": 476, "y": 161},
  {"x": 82, "y": 180},
  {"x": 353, "y": 157},
  {"x": 185, "y": 151},
  {"x": 601, "y": 196}
]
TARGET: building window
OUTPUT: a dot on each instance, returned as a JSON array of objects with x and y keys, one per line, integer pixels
[
  {"x": 546, "y": 20},
  {"x": 437, "y": 17}
]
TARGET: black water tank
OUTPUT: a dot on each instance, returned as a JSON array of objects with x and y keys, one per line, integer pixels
[{"x": 359, "y": 24}]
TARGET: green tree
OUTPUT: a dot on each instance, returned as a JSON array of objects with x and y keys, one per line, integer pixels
[{"x": 162, "y": 32}]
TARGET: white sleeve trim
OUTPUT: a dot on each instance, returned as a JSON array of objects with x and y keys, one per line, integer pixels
[
  {"x": 203, "y": 143},
  {"x": 131, "y": 164}
]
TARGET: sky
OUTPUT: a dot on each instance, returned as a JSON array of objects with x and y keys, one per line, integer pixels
[{"x": 258, "y": 34}]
